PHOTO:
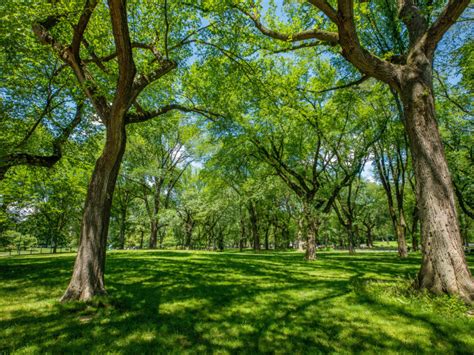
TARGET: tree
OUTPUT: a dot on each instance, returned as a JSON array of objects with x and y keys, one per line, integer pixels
[
  {"x": 410, "y": 73},
  {"x": 158, "y": 157},
  {"x": 315, "y": 166},
  {"x": 115, "y": 99}
]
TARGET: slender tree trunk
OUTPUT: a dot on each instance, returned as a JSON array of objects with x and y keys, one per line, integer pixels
[
  {"x": 88, "y": 276},
  {"x": 300, "y": 234},
  {"x": 254, "y": 226},
  {"x": 400, "y": 229},
  {"x": 350, "y": 234},
  {"x": 142, "y": 234},
  {"x": 267, "y": 231},
  {"x": 153, "y": 233},
  {"x": 189, "y": 226},
  {"x": 370, "y": 242},
  {"x": 162, "y": 236},
  {"x": 123, "y": 220},
  {"x": 242, "y": 234},
  {"x": 444, "y": 267}
]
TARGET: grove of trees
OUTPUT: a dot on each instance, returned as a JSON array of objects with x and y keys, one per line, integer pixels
[{"x": 239, "y": 124}]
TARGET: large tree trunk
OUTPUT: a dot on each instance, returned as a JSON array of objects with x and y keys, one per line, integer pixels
[
  {"x": 444, "y": 267},
  {"x": 88, "y": 276},
  {"x": 312, "y": 228}
]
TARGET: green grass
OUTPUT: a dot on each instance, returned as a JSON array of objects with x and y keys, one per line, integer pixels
[
  {"x": 202, "y": 302},
  {"x": 392, "y": 244}
]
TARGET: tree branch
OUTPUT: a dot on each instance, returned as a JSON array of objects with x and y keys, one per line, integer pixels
[
  {"x": 325, "y": 36},
  {"x": 413, "y": 19},
  {"x": 82, "y": 75},
  {"x": 326, "y": 8},
  {"x": 15, "y": 159},
  {"x": 148, "y": 115},
  {"x": 446, "y": 19},
  {"x": 81, "y": 26},
  {"x": 353, "y": 51},
  {"x": 126, "y": 66}
]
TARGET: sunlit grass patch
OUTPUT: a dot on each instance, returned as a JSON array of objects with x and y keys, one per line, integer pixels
[{"x": 195, "y": 302}]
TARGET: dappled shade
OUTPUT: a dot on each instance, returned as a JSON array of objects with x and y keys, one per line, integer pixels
[{"x": 172, "y": 301}]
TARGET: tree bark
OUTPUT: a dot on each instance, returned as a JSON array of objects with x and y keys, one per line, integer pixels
[
  {"x": 444, "y": 267},
  {"x": 123, "y": 220},
  {"x": 267, "y": 231},
  {"x": 350, "y": 234},
  {"x": 300, "y": 234},
  {"x": 370, "y": 242},
  {"x": 153, "y": 233},
  {"x": 88, "y": 276},
  {"x": 400, "y": 229},
  {"x": 254, "y": 226},
  {"x": 312, "y": 228}
]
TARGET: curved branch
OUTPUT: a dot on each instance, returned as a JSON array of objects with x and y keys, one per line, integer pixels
[
  {"x": 446, "y": 19},
  {"x": 148, "y": 115},
  {"x": 353, "y": 51},
  {"x": 325, "y": 36},
  {"x": 326, "y": 8},
  {"x": 15, "y": 159}
]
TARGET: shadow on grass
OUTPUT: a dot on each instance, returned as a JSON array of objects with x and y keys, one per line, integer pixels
[{"x": 176, "y": 301}]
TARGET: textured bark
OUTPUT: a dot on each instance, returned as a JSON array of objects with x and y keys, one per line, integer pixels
[
  {"x": 444, "y": 268},
  {"x": 88, "y": 276}
]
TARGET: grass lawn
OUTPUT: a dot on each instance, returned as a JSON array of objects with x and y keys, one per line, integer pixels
[{"x": 203, "y": 302}]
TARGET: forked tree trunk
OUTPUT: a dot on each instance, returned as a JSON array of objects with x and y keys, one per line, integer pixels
[
  {"x": 444, "y": 268},
  {"x": 88, "y": 276}
]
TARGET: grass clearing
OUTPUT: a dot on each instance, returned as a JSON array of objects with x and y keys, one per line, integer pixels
[{"x": 188, "y": 302}]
